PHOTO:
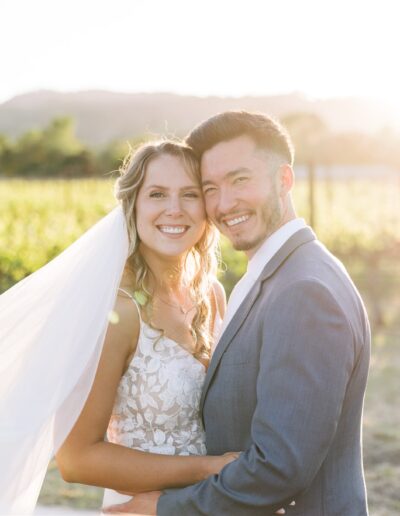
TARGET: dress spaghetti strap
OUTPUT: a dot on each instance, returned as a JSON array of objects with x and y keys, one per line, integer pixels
[{"x": 134, "y": 301}]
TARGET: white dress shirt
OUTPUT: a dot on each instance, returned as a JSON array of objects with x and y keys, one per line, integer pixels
[{"x": 257, "y": 263}]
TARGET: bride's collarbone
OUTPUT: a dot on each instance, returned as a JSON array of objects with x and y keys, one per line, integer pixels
[
  {"x": 177, "y": 327},
  {"x": 174, "y": 324}
]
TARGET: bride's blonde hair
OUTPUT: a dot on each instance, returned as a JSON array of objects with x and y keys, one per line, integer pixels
[{"x": 200, "y": 265}]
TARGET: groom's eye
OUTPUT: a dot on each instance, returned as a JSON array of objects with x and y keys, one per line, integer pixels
[
  {"x": 209, "y": 190},
  {"x": 241, "y": 179}
]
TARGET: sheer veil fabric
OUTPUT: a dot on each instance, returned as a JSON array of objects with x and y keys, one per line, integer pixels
[{"x": 52, "y": 328}]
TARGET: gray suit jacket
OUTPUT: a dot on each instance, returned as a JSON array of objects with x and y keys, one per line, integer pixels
[{"x": 286, "y": 385}]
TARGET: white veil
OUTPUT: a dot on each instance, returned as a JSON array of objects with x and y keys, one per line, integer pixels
[{"x": 52, "y": 328}]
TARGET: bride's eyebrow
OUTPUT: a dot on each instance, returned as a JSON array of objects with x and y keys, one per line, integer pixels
[
  {"x": 159, "y": 187},
  {"x": 191, "y": 187}
]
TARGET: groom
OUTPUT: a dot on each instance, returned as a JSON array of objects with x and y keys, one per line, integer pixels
[{"x": 287, "y": 380}]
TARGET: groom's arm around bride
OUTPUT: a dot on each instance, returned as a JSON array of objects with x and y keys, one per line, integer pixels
[{"x": 287, "y": 379}]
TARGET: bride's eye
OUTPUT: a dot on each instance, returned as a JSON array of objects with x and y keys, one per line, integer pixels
[
  {"x": 156, "y": 195},
  {"x": 191, "y": 195}
]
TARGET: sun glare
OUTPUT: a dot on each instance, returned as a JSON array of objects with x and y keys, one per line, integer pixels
[{"x": 217, "y": 48}]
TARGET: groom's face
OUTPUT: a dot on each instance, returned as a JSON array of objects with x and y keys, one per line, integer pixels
[{"x": 241, "y": 191}]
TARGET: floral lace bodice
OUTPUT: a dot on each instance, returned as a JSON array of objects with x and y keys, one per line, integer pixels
[{"x": 157, "y": 403}]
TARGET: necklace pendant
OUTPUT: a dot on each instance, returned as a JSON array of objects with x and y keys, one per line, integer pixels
[{"x": 177, "y": 306}]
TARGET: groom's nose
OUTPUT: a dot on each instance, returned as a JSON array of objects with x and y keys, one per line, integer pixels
[{"x": 226, "y": 202}]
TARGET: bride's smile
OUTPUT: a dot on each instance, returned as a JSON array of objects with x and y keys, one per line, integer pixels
[{"x": 170, "y": 210}]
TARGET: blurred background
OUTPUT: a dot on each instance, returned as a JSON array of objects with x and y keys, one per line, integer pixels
[{"x": 81, "y": 81}]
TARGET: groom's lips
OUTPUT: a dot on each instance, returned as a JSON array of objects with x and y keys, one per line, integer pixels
[{"x": 236, "y": 220}]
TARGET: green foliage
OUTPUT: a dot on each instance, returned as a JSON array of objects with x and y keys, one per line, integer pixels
[
  {"x": 233, "y": 265},
  {"x": 110, "y": 158},
  {"x": 309, "y": 134},
  {"x": 38, "y": 219},
  {"x": 55, "y": 151},
  {"x": 358, "y": 221},
  {"x": 60, "y": 137},
  {"x": 314, "y": 142}
]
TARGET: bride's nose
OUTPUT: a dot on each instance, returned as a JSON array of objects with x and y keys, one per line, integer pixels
[{"x": 174, "y": 207}]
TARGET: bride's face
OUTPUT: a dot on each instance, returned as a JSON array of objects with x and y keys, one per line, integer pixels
[{"x": 170, "y": 214}]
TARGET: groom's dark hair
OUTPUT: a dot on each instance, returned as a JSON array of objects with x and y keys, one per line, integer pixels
[{"x": 267, "y": 133}]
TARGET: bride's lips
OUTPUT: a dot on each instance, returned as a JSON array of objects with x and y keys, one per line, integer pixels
[{"x": 173, "y": 230}]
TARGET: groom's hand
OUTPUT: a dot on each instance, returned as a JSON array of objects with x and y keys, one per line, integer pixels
[{"x": 141, "y": 504}]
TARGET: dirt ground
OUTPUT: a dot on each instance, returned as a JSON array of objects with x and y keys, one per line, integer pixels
[{"x": 381, "y": 440}]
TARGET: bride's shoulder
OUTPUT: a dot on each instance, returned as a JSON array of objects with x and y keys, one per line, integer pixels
[{"x": 125, "y": 321}]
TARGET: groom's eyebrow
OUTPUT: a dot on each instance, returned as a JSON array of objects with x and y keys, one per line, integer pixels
[{"x": 229, "y": 175}]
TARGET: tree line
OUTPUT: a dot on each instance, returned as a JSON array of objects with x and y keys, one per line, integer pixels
[{"x": 55, "y": 151}]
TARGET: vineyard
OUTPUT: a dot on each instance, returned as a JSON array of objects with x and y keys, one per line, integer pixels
[{"x": 359, "y": 221}]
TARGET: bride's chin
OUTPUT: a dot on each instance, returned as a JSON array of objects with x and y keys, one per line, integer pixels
[{"x": 172, "y": 249}]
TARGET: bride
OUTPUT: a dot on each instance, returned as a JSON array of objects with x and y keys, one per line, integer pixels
[
  {"x": 154, "y": 359},
  {"x": 114, "y": 337}
]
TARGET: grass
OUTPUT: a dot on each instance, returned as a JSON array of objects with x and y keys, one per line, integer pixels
[
  {"x": 57, "y": 492},
  {"x": 381, "y": 440},
  {"x": 38, "y": 219},
  {"x": 382, "y": 425}
]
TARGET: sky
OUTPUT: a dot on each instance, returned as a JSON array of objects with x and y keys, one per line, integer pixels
[{"x": 322, "y": 48}]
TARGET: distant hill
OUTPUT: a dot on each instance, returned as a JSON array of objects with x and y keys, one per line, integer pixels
[{"x": 102, "y": 116}]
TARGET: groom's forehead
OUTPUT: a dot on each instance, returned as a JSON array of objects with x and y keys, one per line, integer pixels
[
  {"x": 227, "y": 154},
  {"x": 228, "y": 158}
]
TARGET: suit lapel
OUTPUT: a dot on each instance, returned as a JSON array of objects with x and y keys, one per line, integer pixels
[{"x": 299, "y": 238}]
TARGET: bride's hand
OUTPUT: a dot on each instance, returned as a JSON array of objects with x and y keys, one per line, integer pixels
[{"x": 216, "y": 462}]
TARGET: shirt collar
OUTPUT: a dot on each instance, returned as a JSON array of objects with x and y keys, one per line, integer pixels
[{"x": 272, "y": 245}]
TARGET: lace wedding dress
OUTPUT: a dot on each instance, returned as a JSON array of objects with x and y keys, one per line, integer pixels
[{"x": 157, "y": 404}]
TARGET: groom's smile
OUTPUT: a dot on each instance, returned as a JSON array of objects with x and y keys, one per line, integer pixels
[
  {"x": 242, "y": 192},
  {"x": 233, "y": 222}
]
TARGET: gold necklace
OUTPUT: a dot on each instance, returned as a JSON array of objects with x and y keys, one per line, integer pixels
[{"x": 179, "y": 307}]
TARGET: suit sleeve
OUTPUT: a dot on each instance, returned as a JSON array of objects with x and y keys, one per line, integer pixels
[{"x": 306, "y": 360}]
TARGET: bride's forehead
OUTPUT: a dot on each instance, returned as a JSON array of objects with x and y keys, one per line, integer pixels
[{"x": 168, "y": 171}]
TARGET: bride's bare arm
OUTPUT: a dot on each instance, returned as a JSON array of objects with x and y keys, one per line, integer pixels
[{"x": 86, "y": 458}]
